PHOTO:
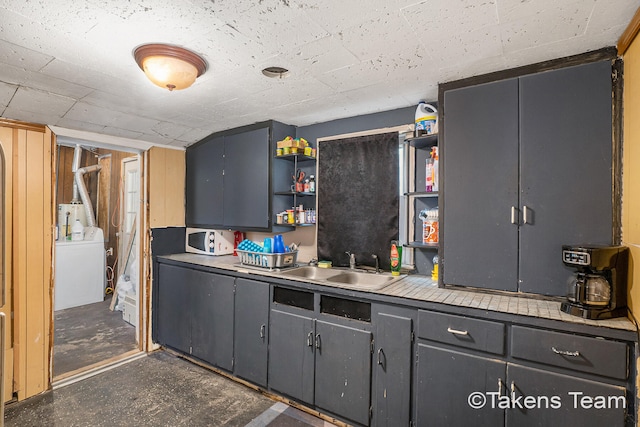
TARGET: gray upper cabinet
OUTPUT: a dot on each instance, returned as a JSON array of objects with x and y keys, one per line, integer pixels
[
  {"x": 246, "y": 179},
  {"x": 527, "y": 168},
  {"x": 230, "y": 175},
  {"x": 565, "y": 169},
  {"x": 480, "y": 155},
  {"x": 204, "y": 181}
]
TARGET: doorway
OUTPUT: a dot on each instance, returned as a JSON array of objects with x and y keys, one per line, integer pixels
[{"x": 96, "y": 270}]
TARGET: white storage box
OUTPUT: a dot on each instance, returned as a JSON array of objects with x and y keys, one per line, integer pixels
[
  {"x": 130, "y": 310},
  {"x": 267, "y": 260}
]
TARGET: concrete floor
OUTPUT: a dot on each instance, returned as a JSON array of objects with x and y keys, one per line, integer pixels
[
  {"x": 159, "y": 389},
  {"x": 89, "y": 334}
]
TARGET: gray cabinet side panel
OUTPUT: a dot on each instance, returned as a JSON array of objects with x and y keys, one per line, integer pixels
[
  {"x": 251, "y": 330},
  {"x": 480, "y": 155},
  {"x": 174, "y": 303},
  {"x": 246, "y": 179},
  {"x": 566, "y": 161},
  {"x": 446, "y": 379},
  {"x": 213, "y": 313},
  {"x": 291, "y": 359},
  {"x": 343, "y": 371},
  {"x": 204, "y": 193},
  {"x": 392, "y": 391},
  {"x": 534, "y": 383}
]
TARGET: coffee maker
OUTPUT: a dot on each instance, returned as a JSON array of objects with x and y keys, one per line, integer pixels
[{"x": 598, "y": 288}]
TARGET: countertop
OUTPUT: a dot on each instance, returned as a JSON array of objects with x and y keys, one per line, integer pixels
[{"x": 423, "y": 288}]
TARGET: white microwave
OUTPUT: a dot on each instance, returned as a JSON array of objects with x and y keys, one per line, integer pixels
[{"x": 209, "y": 242}]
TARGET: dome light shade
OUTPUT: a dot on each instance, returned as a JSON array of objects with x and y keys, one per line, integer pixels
[{"x": 169, "y": 67}]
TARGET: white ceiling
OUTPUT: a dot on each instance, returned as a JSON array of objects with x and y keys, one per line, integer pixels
[{"x": 69, "y": 64}]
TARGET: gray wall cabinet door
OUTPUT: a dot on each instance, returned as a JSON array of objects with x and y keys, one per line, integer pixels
[
  {"x": 392, "y": 372},
  {"x": 565, "y": 161},
  {"x": 212, "y": 311},
  {"x": 571, "y": 393},
  {"x": 204, "y": 183},
  {"x": 480, "y": 155},
  {"x": 343, "y": 370},
  {"x": 291, "y": 355},
  {"x": 246, "y": 179},
  {"x": 174, "y": 307},
  {"x": 445, "y": 381},
  {"x": 251, "y": 330}
]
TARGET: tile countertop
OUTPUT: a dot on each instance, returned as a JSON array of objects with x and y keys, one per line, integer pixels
[{"x": 423, "y": 288}]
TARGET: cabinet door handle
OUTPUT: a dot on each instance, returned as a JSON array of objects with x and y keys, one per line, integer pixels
[
  {"x": 262, "y": 330},
  {"x": 513, "y": 388},
  {"x": 318, "y": 341},
  {"x": 565, "y": 352},
  {"x": 514, "y": 219},
  {"x": 499, "y": 386},
  {"x": 524, "y": 215},
  {"x": 457, "y": 332},
  {"x": 380, "y": 355},
  {"x": 310, "y": 339}
]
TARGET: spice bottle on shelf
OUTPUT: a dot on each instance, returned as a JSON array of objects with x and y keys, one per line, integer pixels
[
  {"x": 312, "y": 184},
  {"x": 307, "y": 185}
]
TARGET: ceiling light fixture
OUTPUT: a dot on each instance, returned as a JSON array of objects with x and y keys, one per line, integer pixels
[
  {"x": 169, "y": 67},
  {"x": 275, "y": 72}
]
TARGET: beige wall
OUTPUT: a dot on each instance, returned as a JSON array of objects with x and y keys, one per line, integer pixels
[
  {"x": 631, "y": 173},
  {"x": 167, "y": 172},
  {"x": 28, "y": 229}
]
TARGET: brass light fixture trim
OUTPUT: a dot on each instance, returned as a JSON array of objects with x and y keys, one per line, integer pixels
[{"x": 168, "y": 66}]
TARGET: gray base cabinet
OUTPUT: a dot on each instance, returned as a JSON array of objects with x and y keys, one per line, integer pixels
[
  {"x": 292, "y": 356},
  {"x": 343, "y": 370},
  {"x": 393, "y": 341},
  {"x": 445, "y": 381},
  {"x": 196, "y": 314},
  {"x": 251, "y": 332},
  {"x": 543, "y": 398},
  {"x": 466, "y": 376},
  {"x": 321, "y": 363}
]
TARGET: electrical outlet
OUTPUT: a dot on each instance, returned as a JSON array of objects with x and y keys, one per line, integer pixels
[{"x": 110, "y": 251}]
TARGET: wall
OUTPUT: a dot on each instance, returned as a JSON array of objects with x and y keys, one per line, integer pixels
[
  {"x": 29, "y": 155},
  {"x": 167, "y": 173},
  {"x": 631, "y": 175}
]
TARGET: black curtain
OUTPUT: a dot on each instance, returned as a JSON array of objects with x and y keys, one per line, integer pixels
[{"x": 358, "y": 198}]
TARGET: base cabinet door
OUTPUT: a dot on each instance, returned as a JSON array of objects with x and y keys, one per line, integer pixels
[
  {"x": 457, "y": 389},
  {"x": 251, "y": 331},
  {"x": 212, "y": 324},
  {"x": 343, "y": 370},
  {"x": 542, "y": 398},
  {"x": 392, "y": 370},
  {"x": 174, "y": 307},
  {"x": 291, "y": 355}
]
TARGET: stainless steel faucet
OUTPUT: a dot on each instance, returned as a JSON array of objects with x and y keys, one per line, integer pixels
[
  {"x": 352, "y": 260},
  {"x": 377, "y": 263}
]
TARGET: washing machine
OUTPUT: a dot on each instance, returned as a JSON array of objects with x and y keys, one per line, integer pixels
[{"x": 80, "y": 274}]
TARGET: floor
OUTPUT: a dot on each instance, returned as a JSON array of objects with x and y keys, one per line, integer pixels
[
  {"x": 89, "y": 334},
  {"x": 158, "y": 389}
]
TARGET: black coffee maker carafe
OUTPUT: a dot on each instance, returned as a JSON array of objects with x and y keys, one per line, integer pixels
[{"x": 598, "y": 288}]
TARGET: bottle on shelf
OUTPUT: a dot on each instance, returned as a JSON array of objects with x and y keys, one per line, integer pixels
[
  {"x": 434, "y": 178},
  {"x": 312, "y": 184},
  {"x": 428, "y": 175}
]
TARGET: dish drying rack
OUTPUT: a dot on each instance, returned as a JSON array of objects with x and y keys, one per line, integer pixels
[{"x": 268, "y": 260}]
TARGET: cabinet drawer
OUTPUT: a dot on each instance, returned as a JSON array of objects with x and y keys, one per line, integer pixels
[
  {"x": 466, "y": 332},
  {"x": 585, "y": 354}
]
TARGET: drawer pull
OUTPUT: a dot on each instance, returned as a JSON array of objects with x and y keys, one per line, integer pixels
[
  {"x": 310, "y": 339},
  {"x": 457, "y": 332},
  {"x": 262, "y": 330},
  {"x": 565, "y": 352}
]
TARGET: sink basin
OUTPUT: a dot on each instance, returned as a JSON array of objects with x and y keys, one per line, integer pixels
[
  {"x": 363, "y": 280},
  {"x": 344, "y": 278},
  {"x": 309, "y": 272}
]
